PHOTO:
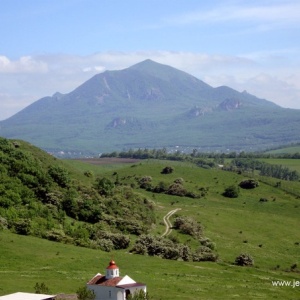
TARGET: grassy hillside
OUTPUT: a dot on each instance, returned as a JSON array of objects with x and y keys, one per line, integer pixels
[
  {"x": 268, "y": 230},
  {"x": 45, "y": 197},
  {"x": 64, "y": 268}
]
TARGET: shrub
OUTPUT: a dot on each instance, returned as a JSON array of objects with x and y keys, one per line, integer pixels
[
  {"x": 167, "y": 170},
  {"x": 85, "y": 294},
  {"x": 176, "y": 189},
  {"x": 248, "y": 184},
  {"x": 3, "y": 223},
  {"x": 263, "y": 200},
  {"x": 244, "y": 260},
  {"x": 162, "y": 187},
  {"x": 88, "y": 173},
  {"x": 60, "y": 176},
  {"x": 22, "y": 226},
  {"x": 105, "y": 245},
  {"x": 187, "y": 225},
  {"x": 145, "y": 182},
  {"x": 207, "y": 243},
  {"x": 179, "y": 180},
  {"x": 41, "y": 288},
  {"x": 231, "y": 192},
  {"x": 139, "y": 295},
  {"x": 104, "y": 186}
]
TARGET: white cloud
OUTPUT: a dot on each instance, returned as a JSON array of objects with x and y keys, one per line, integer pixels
[
  {"x": 284, "y": 13},
  {"x": 265, "y": 75},
  {"x": 26, "y": 64}
]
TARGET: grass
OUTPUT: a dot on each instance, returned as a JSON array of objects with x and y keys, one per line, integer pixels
[
  {"x": 268, "y": 231},
  {"x": 63, "y": 268},
  {"x": 292, "y": 164}
]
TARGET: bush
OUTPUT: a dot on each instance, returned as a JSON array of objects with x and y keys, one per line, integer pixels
[
  {"x": 3, "y": 223},
  {"x": 104, "y": 186},
  {"x": 179, "y": 180},
  {"x": 248, "y": 184},
  {"x": 207, "y": 243},
  {"x": 105, "y": 245},
  {"x": 60, "y": 176},
  {"x": 162, "y": 187},
  {"x": 263, "y": 200},
  {"x": 145, "y": 182},
  {"x": 176, "y": 189},
  {"x": 139, "y": 295},
  {"x": 22, "y": 226},
  {"x": 167, "y": 170},
  {"x": 187, "y": 225},
  {"x": 41, "y": 288},
  {"x": 231, "y": 192},
  {"x": 85, "y": 294},
  {"x": 244, "y": 260}
]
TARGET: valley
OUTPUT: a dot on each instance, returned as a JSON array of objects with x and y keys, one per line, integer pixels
[{"x": 267, "y": 230}]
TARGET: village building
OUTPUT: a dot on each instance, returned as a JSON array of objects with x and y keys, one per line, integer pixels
[{"x": 112, "y": 286}]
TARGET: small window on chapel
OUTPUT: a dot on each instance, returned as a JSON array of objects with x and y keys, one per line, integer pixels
[{"x": 109, "y": 294}]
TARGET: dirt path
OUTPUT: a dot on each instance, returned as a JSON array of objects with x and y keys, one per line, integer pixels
[{"x": 167, "y": 221}]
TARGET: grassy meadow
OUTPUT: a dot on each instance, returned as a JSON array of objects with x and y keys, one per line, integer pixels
[{"x": 268, "y": 231}]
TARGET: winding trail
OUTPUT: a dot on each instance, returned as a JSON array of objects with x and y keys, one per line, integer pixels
[{"x": 167, "y": 221}]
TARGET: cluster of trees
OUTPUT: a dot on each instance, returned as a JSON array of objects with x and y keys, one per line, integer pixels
[
  {"x": 202, "y": 160},
  {"x": 175, "y": 188},
  {"x": 39, "y": 196},
  {"x": 171, "y": 249},
  {"x": 265, "y": 169},
  {"x": 243, "y": 160}
]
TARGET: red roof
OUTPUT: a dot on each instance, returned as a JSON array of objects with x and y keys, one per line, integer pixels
[
  {"x": 112, "y": 265},
  {"x": 102, "y": 280}
]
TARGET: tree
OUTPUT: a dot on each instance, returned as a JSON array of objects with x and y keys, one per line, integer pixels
[
  {"x": 167, "y": 170},
  {"x": 84, "y": 294},
  {"x": 104, "y": 186},
  {"x": 60, "y": 176},
  {"x": 231, "y": 192},
  {"x": 41, "y": 288},
  {"x": 244, "y": 260},
  {"x": 248, "y": 184}
]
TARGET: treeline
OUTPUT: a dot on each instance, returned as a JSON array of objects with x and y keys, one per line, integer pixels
[
  {"x": 39, "y": 196},
  {"x": 265, "y": 169},
  {"x": 242, "y": 161},
  {"x": 194, "y": 155}
]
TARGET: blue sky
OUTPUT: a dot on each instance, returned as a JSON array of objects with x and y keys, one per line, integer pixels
[{"x": 55, "y": 45}]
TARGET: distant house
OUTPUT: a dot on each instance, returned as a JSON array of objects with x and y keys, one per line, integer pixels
[
  {"x": 113, "y": 287},
  {"x": 27, "y": 296}
]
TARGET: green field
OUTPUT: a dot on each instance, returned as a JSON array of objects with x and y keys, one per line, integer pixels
[
  {"x": 269, "y": 231},
  {"x": 286, "y": 150},
  {"x": 292, "y": 164}
]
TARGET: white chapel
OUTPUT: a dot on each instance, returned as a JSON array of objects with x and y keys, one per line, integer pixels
[{"x": 112, "y": 286}]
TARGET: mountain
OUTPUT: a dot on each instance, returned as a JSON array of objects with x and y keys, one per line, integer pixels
[{"x": 152, "y": 105}]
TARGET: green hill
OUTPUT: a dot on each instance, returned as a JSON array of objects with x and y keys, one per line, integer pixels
[
  {"x": 66, "y": 202},
  {"x": 45, "y": 197}
]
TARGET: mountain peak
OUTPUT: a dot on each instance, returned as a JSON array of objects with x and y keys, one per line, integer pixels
[
  {"x": 151, "y": 66},
  {"x": 164, "y": 72}
]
